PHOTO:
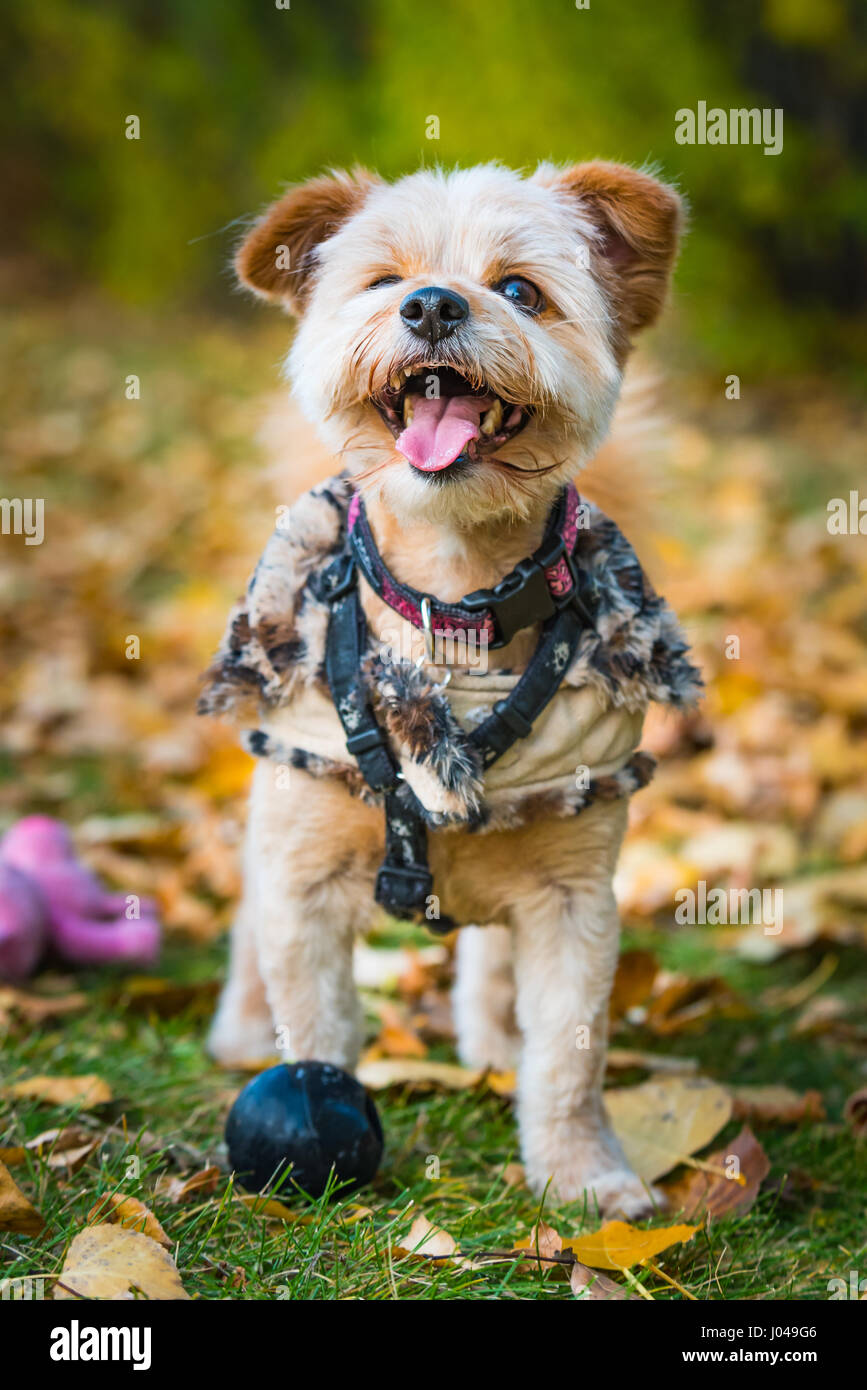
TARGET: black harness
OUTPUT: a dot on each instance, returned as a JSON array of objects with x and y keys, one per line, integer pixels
[{"x": 404, "y": 883}]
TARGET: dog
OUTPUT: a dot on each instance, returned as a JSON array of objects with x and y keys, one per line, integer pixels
[{"x": 517, "y": 299}]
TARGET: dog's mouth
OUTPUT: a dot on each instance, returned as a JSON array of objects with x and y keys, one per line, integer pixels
[{"x": 440, "y": 417}]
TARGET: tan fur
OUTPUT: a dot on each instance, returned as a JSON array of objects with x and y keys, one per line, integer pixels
[{"x": 599, "y": 240}]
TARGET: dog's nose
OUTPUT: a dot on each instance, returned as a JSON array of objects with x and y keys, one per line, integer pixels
[{"x": 433, "y": 313}]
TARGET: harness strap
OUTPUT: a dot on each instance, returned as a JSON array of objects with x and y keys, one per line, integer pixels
[{"x": 404, "y": 884}]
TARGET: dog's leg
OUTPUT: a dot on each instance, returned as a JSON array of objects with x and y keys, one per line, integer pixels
[
  {"x": 566, "y": 943},
  {"x": 484, "y": 998},
  {"x": 312, "y": 896},
  {"x": 242, "y": 1030}
]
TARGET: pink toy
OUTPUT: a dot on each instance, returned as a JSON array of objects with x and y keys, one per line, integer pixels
[
  {"x": 23, "y": 925},
  {"x": 84, "y": 922}
]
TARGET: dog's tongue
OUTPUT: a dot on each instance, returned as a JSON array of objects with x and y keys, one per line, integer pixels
[{"x": 441, "y": 429}]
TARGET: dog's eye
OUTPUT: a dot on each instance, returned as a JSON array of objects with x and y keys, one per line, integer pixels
[
  {"x": 384, "y": 280},
  {"x": 521, "y": 292}
]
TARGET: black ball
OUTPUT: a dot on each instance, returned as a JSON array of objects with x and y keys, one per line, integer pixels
[{"x": 310, "y": 1115}]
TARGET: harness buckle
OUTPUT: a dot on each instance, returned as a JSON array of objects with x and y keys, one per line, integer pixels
[{"x": 518, "y": 601}]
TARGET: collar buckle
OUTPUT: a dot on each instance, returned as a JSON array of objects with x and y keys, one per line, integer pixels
[{"x": 518, "y": 601}]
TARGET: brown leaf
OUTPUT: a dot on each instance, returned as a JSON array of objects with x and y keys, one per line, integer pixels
[
  {"x": 180, "y": 1189},
  {"x": 776, "y": 1104},
  {"x": 147, "y": 994},
  {"x": 636, "y": 972},
  {"x": 590, "y": 1284},
  {"x": 396, "y": 1038},
  {"x": 855, "y": 1112},
  {"x": 84, "y": 1092},
  {"x": 543, "y": 1243},
  {"x": 131, "y": 1213},
  {"x": 37, "y": 1008},
  {"x": 687, "y": 1003},
  {"x": 109, "y": 1262},
  {"x": 16, "y": 1212},
  {"x": 733, "y": 1188}
]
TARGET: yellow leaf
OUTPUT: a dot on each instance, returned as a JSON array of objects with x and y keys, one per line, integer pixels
[
  {"x": 131, "y": 1213},
  {"x": 82, "y": 1091},
  {"x": 109, "y": 1262},
  {"x": 617, "y": 1245},
  {"x": 664, "y": 1120},
  {"x": 16, "y": 1212},
  {"x": 379, "y": 1073}
]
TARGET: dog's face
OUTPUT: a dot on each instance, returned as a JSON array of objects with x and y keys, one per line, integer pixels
[{"x": 462, "y": 335}]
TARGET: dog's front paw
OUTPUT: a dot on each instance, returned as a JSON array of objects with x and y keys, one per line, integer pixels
[{"x": 622, "y": 1194}]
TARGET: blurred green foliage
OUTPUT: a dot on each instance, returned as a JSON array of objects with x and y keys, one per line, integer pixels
[{"x": 236, "y": 99}]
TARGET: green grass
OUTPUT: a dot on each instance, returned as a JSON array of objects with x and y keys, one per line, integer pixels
[{"x": 805, "y": 1228}]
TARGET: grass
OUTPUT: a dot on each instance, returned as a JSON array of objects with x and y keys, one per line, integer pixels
[{"x": 171, "y": 1101}]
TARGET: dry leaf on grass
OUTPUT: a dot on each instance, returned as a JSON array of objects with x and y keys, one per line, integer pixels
[
  {"x": 84, "y": 1092},
  {"x": 542, "y": 1244},
  {"x": 636, "y": 972},
  {"x": 426, "y": 1241},
  {"x": 16, "y": 1212},
  {"x": 776, "y": 1104},
  {"x": 664, "y": 1120},
  {"x": 687, "y": 1003},
  {"x": 618, "y": 1245},
  {"x": 590, "y": 1284},
  {"x": 395, "y": 1037},
  {"x": 855, "y": 1112},
  {"x": 150, "y": 994},
  {"x": 180, "y": 1189},
  {"x": 38, "y": 1008},
  {"x": 131, "y": 1213},
  {"x": 733, "y": 1188},
  {"x": 627, "y": 1059},
  {"x": 379, "y": 1073},
  {"x": 109, "y": 1262}
]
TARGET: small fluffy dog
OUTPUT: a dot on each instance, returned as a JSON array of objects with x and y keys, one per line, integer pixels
[{"x": 460, "y": 348}]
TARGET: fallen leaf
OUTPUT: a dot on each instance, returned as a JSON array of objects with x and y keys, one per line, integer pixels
[
  {"x": 590, "y": 1284},
  {"x": 664, "y": 1120},
  {"x": 84, "y": 1092},
  {"x": 543, "y": 1243},
  {"x": 270, "y": 1207},
  {"x": 776, "y": 1104},
  {"x": 16, "y": 1212},
  {"x": 855, "y": 1112},
  {"x": 427, "y": 1241},
  {"x": 636, "y": 972},
  {"x": 131, "y": 1213},
  {"x": 732, "y": 1189},
  {"x": 147, "y": 994},
  {"x": 685, "y": 1002},
  {"x": 179, "y": 1189},
  {"x": 617, "y": 1245},
  {"x": 625, "y": 1059},
  {"x": 395, "y": 1038},
  {"x": 109, "y": 1262},
  {"x": 37, "y": 1008},
  {"x": 378, "y": 1073}
]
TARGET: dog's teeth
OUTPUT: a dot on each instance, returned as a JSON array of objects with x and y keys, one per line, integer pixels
[
  {"x": 492, "y": 418},
  {"x": 395, "y": 381},
  {"x": 408, "y": 411},
  {"x": 407, "y": 371}
]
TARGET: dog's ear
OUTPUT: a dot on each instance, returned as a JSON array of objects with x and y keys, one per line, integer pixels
[
  {"x": 277, "y": 258},
  {"x": 638, "y": 222}
]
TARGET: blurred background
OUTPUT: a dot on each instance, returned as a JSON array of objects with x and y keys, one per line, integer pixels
[{"x": 158, "y": 499}]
